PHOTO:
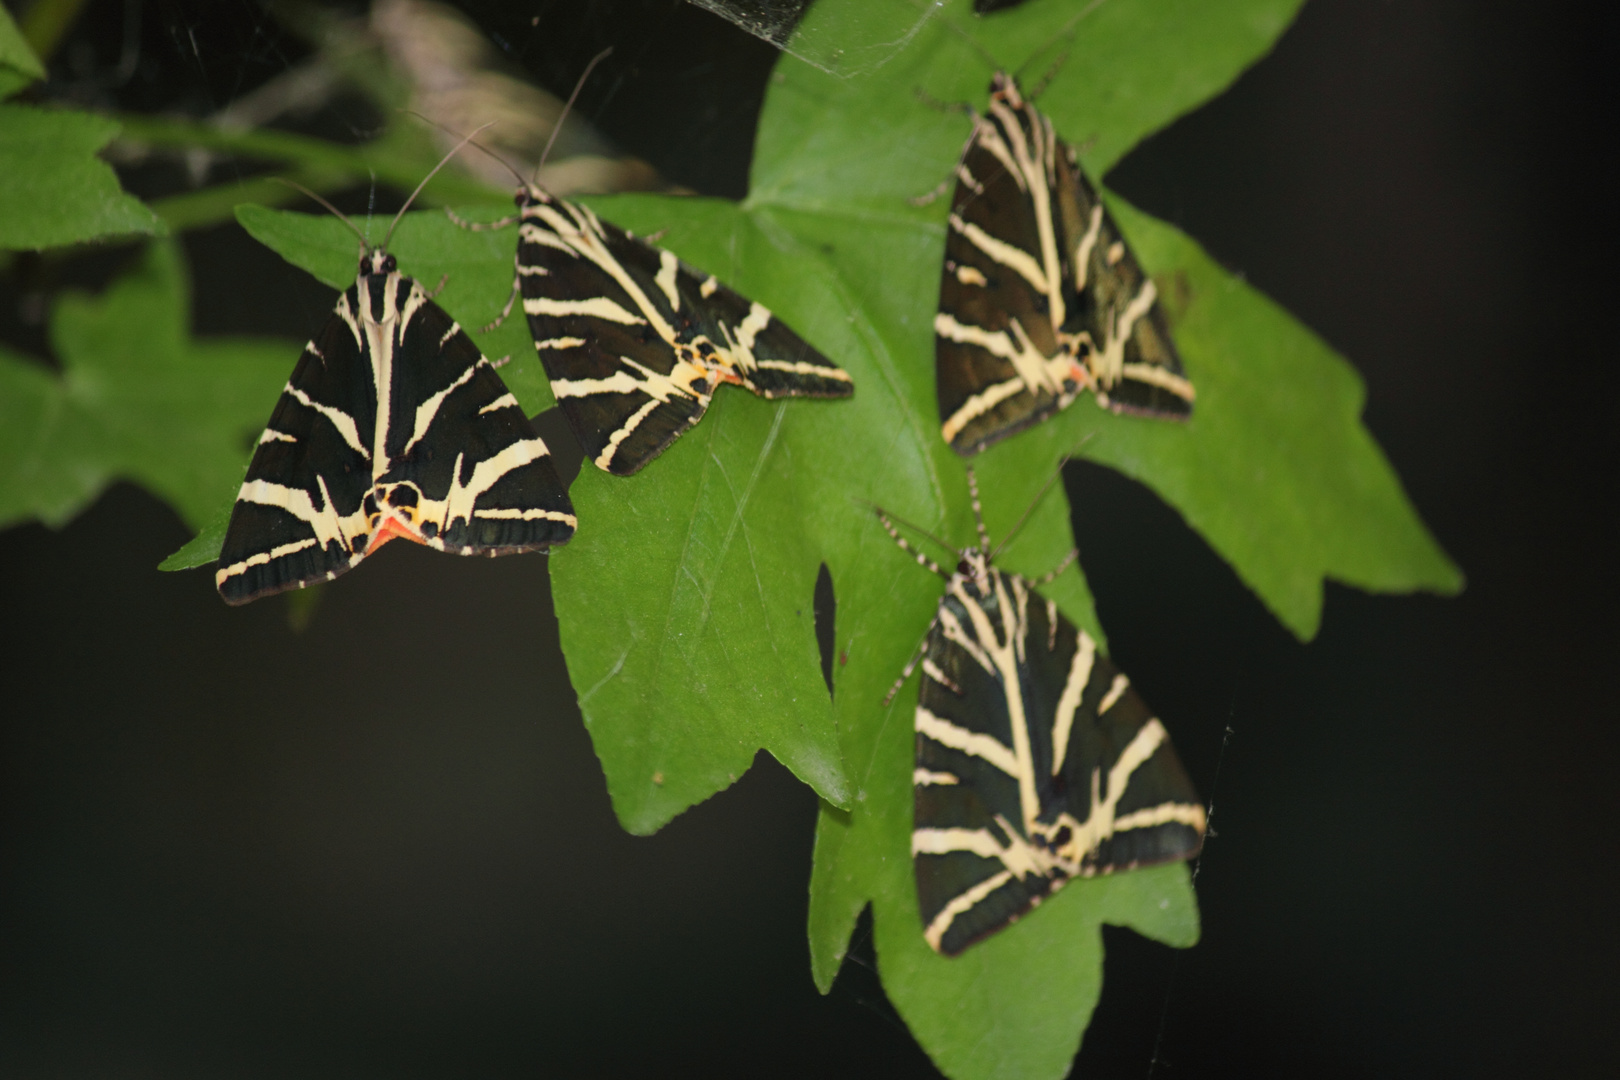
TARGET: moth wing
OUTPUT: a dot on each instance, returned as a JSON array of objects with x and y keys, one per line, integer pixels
[
  {"x": 1082, "y": 722},
  {"x": 461, "y": 450},
  {"x": 988, "y": 310},
  {"x": 1133, "y": 358},
  {"x": 635, "y": 341},
  {"x": 298, "y": 516},
  {"x": 762, "y": 351},
  {"x": 965, "y": 804},
  {"x": 1157, "y": 817},
  {"x": 603, "y": 332}
]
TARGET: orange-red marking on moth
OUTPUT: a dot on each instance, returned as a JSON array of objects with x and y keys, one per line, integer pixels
[{"x": 392, "y": 529}]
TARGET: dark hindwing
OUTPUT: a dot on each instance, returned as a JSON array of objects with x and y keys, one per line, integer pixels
[
  {"x": 294, "y": 519},
  {"x": 988, "y": 310},
  {"x": 635, "y": 341},
  {"x": 1133, "y": 359},
  {"x": 966, "y": 783},
  {"x": 459, "y": 444}
]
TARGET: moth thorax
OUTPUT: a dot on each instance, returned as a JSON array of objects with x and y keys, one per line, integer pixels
[
  {"x": 697, "y": 369},
  {"x": 378, "y": 262}
]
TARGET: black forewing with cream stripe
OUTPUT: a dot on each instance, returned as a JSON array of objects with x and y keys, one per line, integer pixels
[
  {"x": 1035, "y": 762},
  {"x": 1040, "y": 297},
  {"x": 635, "y": 342},
  {"x": 393, "y": 425}
]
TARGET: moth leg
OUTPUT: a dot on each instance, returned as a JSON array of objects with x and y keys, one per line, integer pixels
[
  {"x": 956, "y": 170},
  {"x": 978, "y": 514},
  {"x": 502, "y": 362},
  {"x": 939, "y": 105},
  {"x": 1049, "y": 577},
  {"x": 439, "y": 288},
  {"x": 511, "y": 299},
  {"x": 911, "y": 665},
  {"x": 482, "y": 226},
  {"x": 929, "y": 196}
]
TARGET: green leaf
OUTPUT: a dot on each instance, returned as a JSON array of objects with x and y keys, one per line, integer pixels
[
  {"x": 685, "y": 600},
  {"x": 320, "y": 245},
  {"x": 65, "y": 194},
  {"x": 137, "y": 398},
  {"x": 828, "y": 238},
  {"x": 203, "y": 549},
  {"x": 1274, "y": 470},
  {"x": 1016, "y": 1004},
  {"x": 18, "y": 64}
]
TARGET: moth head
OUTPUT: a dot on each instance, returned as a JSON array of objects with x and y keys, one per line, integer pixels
[
  {"x": 1003, "y": 87},
  {"x": 531, "y": 194},
  {"x": 975, "y": 565},
  {"x": 378, "y": 262}
]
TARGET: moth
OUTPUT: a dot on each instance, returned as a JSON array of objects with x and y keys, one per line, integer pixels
[
  {"x": 393, "y": 426},
  {"x": 1035, "y": 760},
  {"x": 635, "y": 341},
  {"x": 1040, "y": 297}
]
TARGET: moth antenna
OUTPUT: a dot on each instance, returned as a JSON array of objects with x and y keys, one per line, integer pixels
[
  {"x": 1068, "y": 29},
  {"x": 978, "y": 512},
  {"x": 1028, "y": 510},
  {"x": 567, "y": 107},
  {"x": 1041, "y": 494},
  {"x": 335, "y": 211},
  {"x": 942, "y": 106},
  {"x": 507, "y": 165},
  {"x": 973, "y": 44},
  {"x": 442, "y": 163}
]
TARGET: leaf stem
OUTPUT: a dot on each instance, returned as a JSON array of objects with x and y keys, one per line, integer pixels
[{"x": 397, "y": 158}]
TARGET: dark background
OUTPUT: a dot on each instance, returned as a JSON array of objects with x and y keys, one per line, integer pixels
[{"x": 383, "y": 847}]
